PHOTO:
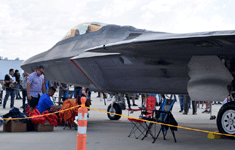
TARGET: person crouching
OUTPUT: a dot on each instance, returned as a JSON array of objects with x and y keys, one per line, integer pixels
[{"x": 45, "y": 103}]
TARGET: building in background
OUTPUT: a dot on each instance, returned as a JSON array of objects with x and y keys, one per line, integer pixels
[{"x": 6, "y": 64}]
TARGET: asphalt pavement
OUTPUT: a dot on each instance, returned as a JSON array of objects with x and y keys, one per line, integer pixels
[{"x": 104, "y": 134}]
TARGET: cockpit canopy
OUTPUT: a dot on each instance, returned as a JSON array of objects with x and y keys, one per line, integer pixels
[{"x": 83, "y": 28}]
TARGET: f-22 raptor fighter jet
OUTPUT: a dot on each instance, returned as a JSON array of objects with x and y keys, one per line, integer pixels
[{"x": 123, "y": 59}]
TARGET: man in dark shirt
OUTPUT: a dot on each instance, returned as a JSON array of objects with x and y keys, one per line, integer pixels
[
  {"x": 10, "y": 82},
  {"x": 17, "y": 76}
]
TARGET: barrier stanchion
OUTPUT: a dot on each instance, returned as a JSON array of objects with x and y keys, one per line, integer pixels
[{"x": 81, "y": 121}]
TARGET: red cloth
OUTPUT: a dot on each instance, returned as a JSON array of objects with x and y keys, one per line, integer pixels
[
  {"x": 69, "y": 115},
  {"x": 53, "y": 119},
  {"x": 27, "y": 110},
  {"x": 37, "y": 120}
]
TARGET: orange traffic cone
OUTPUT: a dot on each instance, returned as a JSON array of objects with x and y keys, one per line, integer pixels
[{"x": 81, "y": 121}]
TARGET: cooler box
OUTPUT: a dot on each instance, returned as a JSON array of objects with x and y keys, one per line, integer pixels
[
  {"x": 14, "y": 126},
  {"x": 43, "y": 127}
]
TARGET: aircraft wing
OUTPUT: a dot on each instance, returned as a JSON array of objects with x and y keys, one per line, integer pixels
[{"x": 162, "y": 63}]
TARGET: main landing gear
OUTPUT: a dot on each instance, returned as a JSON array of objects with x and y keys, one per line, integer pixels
[{"x": 226, "y": 118}]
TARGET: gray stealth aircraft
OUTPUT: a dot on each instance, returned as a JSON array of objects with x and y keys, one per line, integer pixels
[{"x": 123, "y": 59}]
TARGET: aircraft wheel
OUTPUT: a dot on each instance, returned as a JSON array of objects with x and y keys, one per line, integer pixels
[
  {"x": 226, "y": 119},
  {"x": 116, "y": 109}
]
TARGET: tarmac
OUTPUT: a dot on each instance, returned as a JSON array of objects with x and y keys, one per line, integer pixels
[{"x": 104, "y": 134}]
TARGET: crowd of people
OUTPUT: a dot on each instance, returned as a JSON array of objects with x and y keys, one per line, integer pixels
[
  {"x": 185, "y": 105},
  {"x": 12, "y": 85},
  {"x": 36, "y": 90}
]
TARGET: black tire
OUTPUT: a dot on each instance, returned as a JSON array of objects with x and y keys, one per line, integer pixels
[
  {"x": 117, "y": 110},
  {"x": 226, "y": 119}
]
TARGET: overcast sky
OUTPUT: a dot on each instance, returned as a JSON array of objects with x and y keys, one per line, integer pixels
[{"x": 29, "y": 27}]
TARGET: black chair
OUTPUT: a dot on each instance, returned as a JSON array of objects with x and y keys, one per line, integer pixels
[{"x": 165, "y": 116}]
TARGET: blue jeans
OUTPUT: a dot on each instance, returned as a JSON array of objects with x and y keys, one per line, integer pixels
[
  {"x": 17, "y": 90},
  {"x": 12, "y": 93},
  {"x": 24, "y": 94},
  {"x": 77, "y": 92},
  {"x": 181, "y": 98}
]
